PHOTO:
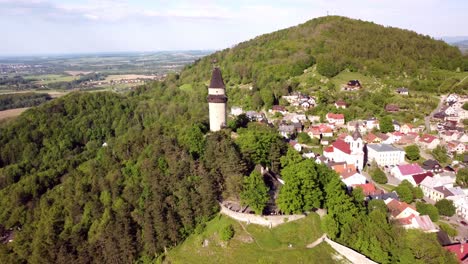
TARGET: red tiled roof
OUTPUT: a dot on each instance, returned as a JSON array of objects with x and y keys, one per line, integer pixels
[
  {"x": 461, "y": 250},
  {"x": 371, "y": 137},
  {"x": 335, "y": 116},
  {"x": 328, "y": 149},
  {"x": 343, "y": 146},
  {"x": 368, "y": 189},
  {"x": 398, "y": 134},
  {"x": 410, "y": 169},
  {"x": 396, "y": 207},
  {"x": 427, "y": 138},
  {"x": 418, "y": 178},
  {"x": 341, "y": 167},
  {"x": 348, "y": 173}
]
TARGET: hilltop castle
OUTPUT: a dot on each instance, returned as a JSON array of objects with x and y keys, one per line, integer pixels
[{"x": 217, "y": 101}]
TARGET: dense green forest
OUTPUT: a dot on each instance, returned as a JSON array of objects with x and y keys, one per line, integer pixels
[
  {"x": 108, "y": 178},
  {"x": 10, "y": 101},
  {"x": 271, "y": 64}
]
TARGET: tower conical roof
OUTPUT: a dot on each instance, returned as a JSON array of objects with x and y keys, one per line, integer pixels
[
  {"x": 217, "y": 79},
  {"x": 356, "y": 133}
]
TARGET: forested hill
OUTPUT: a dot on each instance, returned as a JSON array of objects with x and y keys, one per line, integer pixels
[{"x": 334, "y": 44}]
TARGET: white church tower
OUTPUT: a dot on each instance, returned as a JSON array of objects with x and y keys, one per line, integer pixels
[
  {"x": 217, "y": 101},
  {"x": 356, "y": 146}
]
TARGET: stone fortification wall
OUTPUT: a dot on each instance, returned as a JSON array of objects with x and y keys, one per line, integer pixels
[{"x": 264, "y": 220}]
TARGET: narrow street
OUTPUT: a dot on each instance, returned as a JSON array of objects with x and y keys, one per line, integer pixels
[{"x": 427, "y": 119}]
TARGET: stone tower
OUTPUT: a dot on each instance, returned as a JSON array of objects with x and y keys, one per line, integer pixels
[{"x": 217, "y": 101}]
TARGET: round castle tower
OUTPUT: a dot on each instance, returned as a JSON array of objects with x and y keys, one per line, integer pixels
[{"x": 217, "y": 101}]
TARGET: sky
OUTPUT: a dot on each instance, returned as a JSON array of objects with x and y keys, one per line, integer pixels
[{"x": 87, "y": 26}]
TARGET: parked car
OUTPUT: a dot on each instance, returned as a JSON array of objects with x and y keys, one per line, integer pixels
[{"x": 464, "y": 223}]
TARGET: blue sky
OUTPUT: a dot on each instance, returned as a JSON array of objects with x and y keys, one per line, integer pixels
[{"x": 76, "y": 26}]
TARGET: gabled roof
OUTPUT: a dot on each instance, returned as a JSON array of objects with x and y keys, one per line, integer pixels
[
  {"x": 335, "y": 116},
  {"x": 396, "y": 207},
  {"x": 343, "y": 146},
  {"x": 461, "y": 250},
  {"x": 410, "y": 169},
  {"x": 418, "y": 178},
  {"x": 217, "y": 79},
  {"x": 426, "y": 138},
  {"x": 368, "y": 189},
  {"x": 341, "y": 167},
  {"x": 431, "y": 164}
]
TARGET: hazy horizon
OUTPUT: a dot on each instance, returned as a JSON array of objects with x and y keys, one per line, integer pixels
[{"x": 53, "y": 27}]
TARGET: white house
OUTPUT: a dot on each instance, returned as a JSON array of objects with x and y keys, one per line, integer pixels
[
  {"x": 450, "y": 111},
  {"x": 352, "y": 178},
  {"x": 452, "y": 98},
  {"x": 429, "y": 184},
  {"x": 456, "y": 147},
  {"x": 429, "y": 141},
  {"x": 406, "y": 128},
  {"x": 461, "y": 205},
  {"x": 337, "y": 119},
  {"x": 406, "y": 171},
  {"x": 384, "y": 154}
]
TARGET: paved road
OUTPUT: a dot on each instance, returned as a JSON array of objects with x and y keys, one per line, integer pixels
[{"x": 427, "y": 119}]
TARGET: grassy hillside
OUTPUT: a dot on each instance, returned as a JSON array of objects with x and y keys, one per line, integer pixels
[{"x": 255, "y": 244}]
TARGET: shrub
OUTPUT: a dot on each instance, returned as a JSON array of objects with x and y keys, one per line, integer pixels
[{"x": 227, "y": 233}]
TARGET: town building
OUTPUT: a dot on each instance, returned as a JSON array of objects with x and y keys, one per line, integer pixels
[
  {"x": 336, "y": 119},
  {"x": 385, "y": 155},
  {"x": 406, "y": 171},
  {"x": 349, "y": 150}
]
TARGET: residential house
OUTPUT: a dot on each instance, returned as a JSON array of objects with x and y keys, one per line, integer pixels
[
  {"x": 449, "y": 135},
  {"x": 385, "y": 138},
  {"x": 350, "y": 178},
  {"x": 352, "y": 85},
  {"x": 432, "y": 166},
  {"x": 399, "y": 209},
  {"x": 372, "y": 123},
  {"x": 371, "y": 138},
  {"x": 450, "y": 111},
  {"x": 397, "y": 136},
  {"x": 297, "y": 126},
  {"x": 341, "y": 104},
  {"x": 295, "y": 145},
  {"x": 278, "y": 109},
  {"x": 460, "y": 250},
  {"x": 402, "y": 91},
  {"x": 392, "y": 108},
  {"x": 418, "y": 178},
  {"x": 461, "y": 205},
  {"x": 456, "y": 147},
  {"x": 384, "y": 196},
  {"x": 406, "y": 171},
  {"x": 396, "y": 125},
  {"x": 452, "y": 98},
  {"x": 368, "y": 189},
  {"x": 286, "y": 130},
  {"x": 336, "y": 119},
  {"x": 406, "y": 128},
  {"x": 351, "y": 126},
  {"x": 313, "y": 132},
  {"x": 407, "y": 216},
  {"x": 385, "y": 155},
  {"x": 255, "y": 116},
  {"x": 429, "y": 184},
  {"x": 428, "y": 141},
  {"x": 326, "y": 131}
]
